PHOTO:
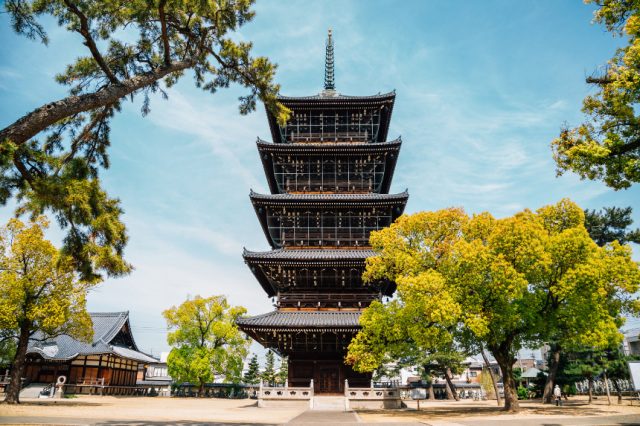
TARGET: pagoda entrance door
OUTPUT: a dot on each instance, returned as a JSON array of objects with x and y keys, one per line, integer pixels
[{"x": 329, "y": 380}]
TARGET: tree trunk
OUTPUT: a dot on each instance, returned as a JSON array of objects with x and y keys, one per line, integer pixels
[
  {"x": 606, "y": 386},
  {"x": 13, "y": 390},
  {"x": 590, "y": 393},
  {"x": 615, "y": 384},
  {"x": 505, "y": 361},
  {"x": 451, "y": 393},
  {"x": 201, "y": 388},
  {"x": 493, "y": 378},
  {"x": 431, "y": 394},
  {"x": 38, "y": 120},
  {"x": 548, "y": 386}
]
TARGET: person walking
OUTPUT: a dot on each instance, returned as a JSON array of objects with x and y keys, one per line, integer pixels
[{"x": 558, "y": 394}]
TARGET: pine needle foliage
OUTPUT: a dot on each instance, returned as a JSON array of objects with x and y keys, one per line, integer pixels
[{"x": 51, "y": 158}]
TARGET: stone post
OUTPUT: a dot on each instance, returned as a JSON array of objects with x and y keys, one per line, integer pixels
[{"x": 286, "y": 383}]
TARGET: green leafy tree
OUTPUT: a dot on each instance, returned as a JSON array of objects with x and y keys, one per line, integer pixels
[
  {"x": 269, "y": 374},
  {"x": 207, "y": 342},
  {"x": 8, "y": 347},
  {"x": 607, "y": 144},
  {"x": 41, "y": 296},
  {"x": 611, "y": 225},
  {"x": 51, "y": 158},
  {"x": 283, "y": 370},
  {"x": 501, "y": 284}
]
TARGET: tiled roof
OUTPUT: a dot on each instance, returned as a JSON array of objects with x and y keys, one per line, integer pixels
[
  {"x": 131, "y": 354},
  {"x": 403, "y": 196},
  {"x": 337, "y": 97},
  {"x": 302, "y": 319},
  {"x": 105, "y": 327},
  {"x": 283, "y": 254}
]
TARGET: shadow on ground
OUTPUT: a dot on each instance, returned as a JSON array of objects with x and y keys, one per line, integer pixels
[{"x": 456, "y": 411}]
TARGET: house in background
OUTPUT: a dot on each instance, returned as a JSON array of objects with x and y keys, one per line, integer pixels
[
  {"x": 631, "y": 342},
  {"x": 155, "y": 375},
  {"x": 107, "y": 365}
]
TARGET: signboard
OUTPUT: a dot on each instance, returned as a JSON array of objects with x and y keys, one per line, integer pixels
[
  {"x": 418, "y": 394},
  {"x": 634, "y": 370}
]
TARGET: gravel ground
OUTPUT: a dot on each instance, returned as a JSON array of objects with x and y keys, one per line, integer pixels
[{"x": 144, "y": 408}]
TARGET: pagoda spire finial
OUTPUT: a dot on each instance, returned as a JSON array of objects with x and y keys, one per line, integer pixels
[{"x": 329, "y": 83}]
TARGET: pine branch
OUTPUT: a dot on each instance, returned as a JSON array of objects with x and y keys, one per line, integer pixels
[
  {"x": 165, "y": 39},
  {"x": 45, "y": 116},
  {"x": 86, "y": 33}
]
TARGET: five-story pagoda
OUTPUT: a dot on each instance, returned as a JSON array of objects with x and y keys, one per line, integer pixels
[{"x": 329, "y": 170}]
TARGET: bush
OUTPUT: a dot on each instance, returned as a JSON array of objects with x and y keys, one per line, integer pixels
[
  {"x": 522, "y": 393},
  {"x": 570, "y": 390}
]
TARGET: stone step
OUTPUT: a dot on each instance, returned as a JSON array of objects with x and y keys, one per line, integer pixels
[{"x": 328, "y": 403}]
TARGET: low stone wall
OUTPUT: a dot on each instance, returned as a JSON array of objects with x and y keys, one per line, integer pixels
[
  {"x": 284, "y": 403},
  {"x": 375, "y": 404},
  {"x": 373, "y": 398}
]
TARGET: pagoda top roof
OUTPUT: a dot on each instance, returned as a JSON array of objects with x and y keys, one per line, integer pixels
[
  {"x": 336, "y": 101},
  {"x": 313, "y": 321},
  {"x": 336, "y": 97},
  {"x": 320, "y": 199}
]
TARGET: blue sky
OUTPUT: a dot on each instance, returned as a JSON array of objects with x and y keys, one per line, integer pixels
[{"x": 482, "y": 89}]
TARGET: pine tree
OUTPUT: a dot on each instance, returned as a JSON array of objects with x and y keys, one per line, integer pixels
[
  {"x": 448, "y": 362},
  {"x": 283, "y": 371},
  {"x": 610, "y": 225},
  {"x": 269, "y": 373},
  {"x": 585, "y": 363},
  {"x": 252, "y": 376}
]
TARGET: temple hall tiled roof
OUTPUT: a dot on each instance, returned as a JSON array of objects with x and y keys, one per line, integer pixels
[
  {"x": 302, "y": 319},
  {"x": 105, "y": 327}
]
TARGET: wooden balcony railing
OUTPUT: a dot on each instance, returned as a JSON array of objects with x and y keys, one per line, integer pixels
[
  {"x": 330, "y": 300},
  {"x": 351, "y": 137}
]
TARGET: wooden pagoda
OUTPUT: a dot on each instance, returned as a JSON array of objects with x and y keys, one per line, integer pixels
[{"x": 329, "y": 170}]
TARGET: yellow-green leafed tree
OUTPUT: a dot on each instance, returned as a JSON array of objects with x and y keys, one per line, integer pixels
[
  {"x": 40, "y": 295},
  {"x": 207, "y": 342},
  {"x": 501, "y": 284},
  {"x": 607, "y": 144}
]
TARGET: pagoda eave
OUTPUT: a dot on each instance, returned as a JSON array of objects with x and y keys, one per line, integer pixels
[
  {"x": 340, "y": 258},
  {"x": 268, "y": 149}
]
